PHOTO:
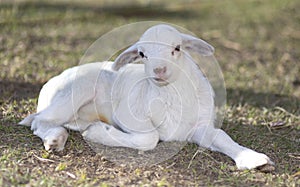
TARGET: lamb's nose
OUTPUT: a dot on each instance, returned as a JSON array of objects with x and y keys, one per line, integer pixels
[{"x": 160, "y": 70}]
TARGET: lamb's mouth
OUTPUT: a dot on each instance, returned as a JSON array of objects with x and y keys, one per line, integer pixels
[{"x": 159, "y": 79}]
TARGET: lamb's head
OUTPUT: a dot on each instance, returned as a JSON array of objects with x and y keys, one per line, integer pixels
[{"x": 162, "y": 48}]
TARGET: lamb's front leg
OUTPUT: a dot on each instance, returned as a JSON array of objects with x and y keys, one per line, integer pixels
[
  {"x": 105, "y": 134},
  {"x": 218, "y": 140}
]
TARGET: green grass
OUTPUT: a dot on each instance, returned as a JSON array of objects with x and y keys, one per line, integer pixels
[{"x": 257, "y": 45}]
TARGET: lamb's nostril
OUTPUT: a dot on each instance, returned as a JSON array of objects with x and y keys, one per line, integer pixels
[{"x": 160, "y": 70}]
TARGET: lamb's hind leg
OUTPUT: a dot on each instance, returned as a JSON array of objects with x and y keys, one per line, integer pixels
[
  {"x": 105, "y": 134},
  {"x": 47, "y": 124},
  {"x": 218, "y": 140},
  {"x": 49, "y": 127},
  {"x": 53, "y": 135}
]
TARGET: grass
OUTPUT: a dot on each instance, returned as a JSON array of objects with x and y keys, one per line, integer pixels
[{"x": 257, "y": 46}]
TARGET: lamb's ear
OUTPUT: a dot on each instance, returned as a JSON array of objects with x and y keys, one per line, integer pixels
[
  {"x": 191, "y": 43},
  {"x": 128, "y": 56}
]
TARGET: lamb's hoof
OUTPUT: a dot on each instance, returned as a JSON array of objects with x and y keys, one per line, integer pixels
[
  {"x": 249, "y": 159},
  {"x": 53, "y": 145},
  {"x": 56, "y": 139},
  {"x": 99, "y": 133}
]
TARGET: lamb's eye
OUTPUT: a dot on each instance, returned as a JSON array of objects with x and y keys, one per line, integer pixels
[
  {"x": 141, "y": 54},
  {"x": 177, "y": 48}
]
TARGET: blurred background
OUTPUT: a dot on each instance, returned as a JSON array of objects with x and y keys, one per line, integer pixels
[{"x": 257, "y": 42}]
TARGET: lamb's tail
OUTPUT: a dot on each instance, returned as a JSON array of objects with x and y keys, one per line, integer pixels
[{"x": 28, "y": 120}]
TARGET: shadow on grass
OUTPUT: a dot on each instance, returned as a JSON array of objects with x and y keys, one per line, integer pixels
[
  {"x": 266, "y": 100},
  {"x": 17, "y": 90}
]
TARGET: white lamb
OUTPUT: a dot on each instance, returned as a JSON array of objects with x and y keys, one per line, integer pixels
[{"x": 166, "y": 98}]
